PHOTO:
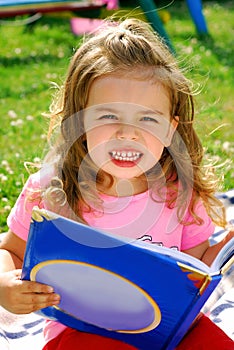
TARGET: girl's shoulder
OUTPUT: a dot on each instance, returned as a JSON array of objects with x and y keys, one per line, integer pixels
[{"x": 40, "y": 179}]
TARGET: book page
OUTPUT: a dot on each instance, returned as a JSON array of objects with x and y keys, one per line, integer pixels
[{"x": 224, "y": 256}]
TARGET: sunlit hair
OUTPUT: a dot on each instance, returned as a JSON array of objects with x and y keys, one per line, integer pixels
[{"x": 129, "y": 49}]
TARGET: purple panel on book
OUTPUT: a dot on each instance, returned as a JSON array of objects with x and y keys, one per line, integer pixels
[{"x": 123, "y": 307}]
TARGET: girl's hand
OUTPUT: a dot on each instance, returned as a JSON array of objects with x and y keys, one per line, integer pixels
[
  {"x": 23, "y": 297},
  {"x": 208, "y": 253}
]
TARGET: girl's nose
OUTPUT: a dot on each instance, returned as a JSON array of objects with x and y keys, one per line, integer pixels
[{"x": 127, "y": 132}]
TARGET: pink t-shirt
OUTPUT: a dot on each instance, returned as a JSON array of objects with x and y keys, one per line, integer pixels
[{"x": 139, "y": 216}]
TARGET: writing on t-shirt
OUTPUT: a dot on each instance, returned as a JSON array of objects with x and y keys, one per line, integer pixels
[{"x": 148, "y": 238}]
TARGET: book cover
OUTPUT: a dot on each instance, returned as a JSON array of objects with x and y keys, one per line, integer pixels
[{"x": 133, "y": 291}]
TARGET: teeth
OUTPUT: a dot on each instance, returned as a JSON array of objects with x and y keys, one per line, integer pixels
[{"x": 125, "y": 156}]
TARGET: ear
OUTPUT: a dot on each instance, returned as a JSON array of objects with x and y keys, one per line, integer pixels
[
  {"x": 173, "y": 126},
  {"x": 176, "y": 120}
]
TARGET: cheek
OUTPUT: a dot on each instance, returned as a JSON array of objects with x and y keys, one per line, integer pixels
[
  {"x": 98, "y": 136},
  {"x": 154, "y": 145},
  {"x": 96, "y": 142}
]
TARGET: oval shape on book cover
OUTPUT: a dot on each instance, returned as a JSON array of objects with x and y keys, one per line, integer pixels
[{"x": 98, "y": 296}]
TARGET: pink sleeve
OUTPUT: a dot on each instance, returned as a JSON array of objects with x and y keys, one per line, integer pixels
[
  {"x": 194, "y": 234},
  {"x": 20, "y": 216}
]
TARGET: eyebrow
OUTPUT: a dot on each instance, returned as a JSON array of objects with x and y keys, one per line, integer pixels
[
  {"x": 151, "y": 111},
  {"x": 106, "y": 109},
  {"x": 143, "y": 111}
]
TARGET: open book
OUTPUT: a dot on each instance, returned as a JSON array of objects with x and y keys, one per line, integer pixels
[{"x": 137, "y": 292}]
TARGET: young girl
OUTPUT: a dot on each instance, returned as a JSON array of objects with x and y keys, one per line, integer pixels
[{"x": 126, "y": 160}]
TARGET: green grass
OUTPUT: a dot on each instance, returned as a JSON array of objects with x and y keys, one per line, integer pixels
[{"x": 31, "y": 59}]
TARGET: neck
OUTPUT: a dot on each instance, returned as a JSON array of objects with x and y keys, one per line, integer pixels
[{"x": 125, "y": 187}]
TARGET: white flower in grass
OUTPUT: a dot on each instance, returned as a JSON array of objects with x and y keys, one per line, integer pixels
[
  {"x": 12, "y": 114},
  {"x": 188, "y": 49},
  {"x": 18, "y": 50},
  {"x": 17, "y": 122},
  {"x": 45, "y": 27},
  {"x": 224, "y": 69},
  {"x": 29, "y": 117},
  {"x": 60, "y": 54},
  {"x": 226, "y": 145},
  {"x": 4, "y": 199},
  {"x": 3, "y": 178},
  {"x": 5, "y": 163},
  {"x": 7, "y": 208},
  {"x": 51, "y": 75},
  {"x": 194, "y": 41},
  {"x": 37, "y": 160}
]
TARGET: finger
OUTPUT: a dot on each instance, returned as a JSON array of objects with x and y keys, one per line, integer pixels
[
  {"x": 36, "y": 299},
  {"x": 26, "y": 303},
  {"x": 39, "y": 306},
  {"x": 28, "y": 308},
  {"x": 34, "y": 287},
  {"x": 29, "y": 286}
]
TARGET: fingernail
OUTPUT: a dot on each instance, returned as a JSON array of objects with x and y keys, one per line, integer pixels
[{"x": 56, "y": 297}]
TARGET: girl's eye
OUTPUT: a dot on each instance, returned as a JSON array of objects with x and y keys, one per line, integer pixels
[
  {"x": 149, "y": 119},
  {"x": 108, "y": 116}
]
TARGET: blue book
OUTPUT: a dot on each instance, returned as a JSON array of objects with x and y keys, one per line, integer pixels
[{"x": 137, "y": 292}]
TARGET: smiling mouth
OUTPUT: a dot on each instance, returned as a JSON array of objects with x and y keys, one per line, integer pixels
[{"x": 126, "y": 156}]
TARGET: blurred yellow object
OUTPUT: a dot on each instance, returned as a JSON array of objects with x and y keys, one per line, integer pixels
[
  {"x": 123, "y": 12},
  {"x": 164, "y": 16},
  {"x": 132, "y": 12}
]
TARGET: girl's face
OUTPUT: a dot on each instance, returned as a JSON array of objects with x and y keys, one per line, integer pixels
[{"x": 127, "y": 124}]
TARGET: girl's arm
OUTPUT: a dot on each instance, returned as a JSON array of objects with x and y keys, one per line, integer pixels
[
  {"x": 207, "y": 253},
  {"x": 12, "y": 252},
  {"x": 19, "y": 296}
]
